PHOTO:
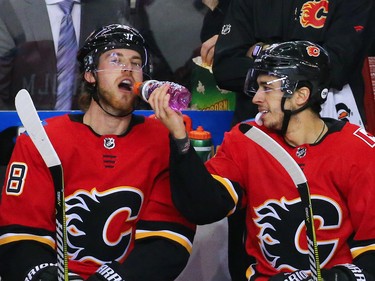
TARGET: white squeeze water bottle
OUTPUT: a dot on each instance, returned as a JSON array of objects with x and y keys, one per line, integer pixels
[{"x": 180, "y": 95}]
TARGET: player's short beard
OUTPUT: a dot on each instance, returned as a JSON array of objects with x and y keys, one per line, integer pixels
[
  {"x": 111, "y": 109},
  {"x": 275, "y": 124}
]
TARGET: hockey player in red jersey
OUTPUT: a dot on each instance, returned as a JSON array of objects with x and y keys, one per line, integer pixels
[
  {"x": 121, "y": 223},
  {"x": 288, "y": 82}
]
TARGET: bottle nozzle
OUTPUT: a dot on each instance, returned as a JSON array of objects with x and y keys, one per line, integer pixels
[
  {"x": 199, "y": 133},
  {"x": 137, "y": 88}
]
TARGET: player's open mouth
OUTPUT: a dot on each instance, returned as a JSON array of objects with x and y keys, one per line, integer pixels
[
  {"x": 258, "y": 117},
  {"x": 126, "y": 85}
]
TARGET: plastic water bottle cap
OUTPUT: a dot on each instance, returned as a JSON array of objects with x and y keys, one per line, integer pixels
[
  {"x": 137, "y": 88},
  {"x": 199, "y": 134}
]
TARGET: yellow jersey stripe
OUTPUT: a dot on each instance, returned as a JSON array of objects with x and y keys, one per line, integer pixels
[
  {"x": 228, "y": 185},
  {"x": 14, "y": 237},
  {"x": 180, "y": 239},
  {"x": 360, "y": 250}
]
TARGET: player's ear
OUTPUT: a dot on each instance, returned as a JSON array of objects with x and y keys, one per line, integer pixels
[
  {"x": 89, "y": 77},
  {"x": 302, "y": 95}
]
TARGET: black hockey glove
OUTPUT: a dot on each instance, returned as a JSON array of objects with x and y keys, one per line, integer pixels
[
  {"x": 48, "y": 272},
  {"x": 109, "y": 271},
  {"x": 344, "y": 272}
]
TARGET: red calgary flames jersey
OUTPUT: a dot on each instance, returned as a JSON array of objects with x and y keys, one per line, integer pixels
[
  {"x": 111, "y": 182},
  {"x": 340, "y": 170}
]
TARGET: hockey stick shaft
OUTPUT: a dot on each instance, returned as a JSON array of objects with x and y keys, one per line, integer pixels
[
  {"x": 304, "y": 192},
  {"x": 299, "y": 179},
  {"x": 32, "y": 123}
]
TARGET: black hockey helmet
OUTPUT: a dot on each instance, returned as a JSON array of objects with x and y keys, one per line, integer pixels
[
  {"x": 296, "y": 63},
  {"x": 113, "y": 36}
]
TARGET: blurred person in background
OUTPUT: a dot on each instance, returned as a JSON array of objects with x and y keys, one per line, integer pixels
[
  {"x": 342, "y": 26},
  {"x": 29, "y": 45},
  {"x": 211, "y": 28}
]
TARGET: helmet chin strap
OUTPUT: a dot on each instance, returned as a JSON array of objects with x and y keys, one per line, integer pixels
[{"x": 288, "y": 113}]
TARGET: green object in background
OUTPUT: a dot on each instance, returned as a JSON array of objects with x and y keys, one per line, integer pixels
[
  {"x": 206, "y": 95},
  {"x": 202, "y": 143}
]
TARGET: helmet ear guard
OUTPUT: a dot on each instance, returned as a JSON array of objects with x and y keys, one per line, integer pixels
[
  {"x": 293, "y": 62},
  {"x": 324, "y": 93}
]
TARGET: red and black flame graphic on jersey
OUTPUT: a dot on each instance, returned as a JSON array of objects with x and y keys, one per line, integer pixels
[
  {"x": 100, "y": 225},
  {"x": 314, "y": 14},
  {"x": 282, "y": 235}
]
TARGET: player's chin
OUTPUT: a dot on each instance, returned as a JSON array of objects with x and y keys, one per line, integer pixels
[
  {"x": 271, "y": 124},
  {"x": 127, "y": 107},
  {"x": 125, "y": 99}
]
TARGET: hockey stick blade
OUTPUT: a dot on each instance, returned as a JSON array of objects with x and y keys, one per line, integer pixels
[
  {"x": 299, "y": 179},
  {"x": 28, "y": 115},
  {"x": 32, "y": 123}
]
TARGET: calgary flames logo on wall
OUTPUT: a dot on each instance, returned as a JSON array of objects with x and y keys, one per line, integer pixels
[{"x": 314, "y": 14}]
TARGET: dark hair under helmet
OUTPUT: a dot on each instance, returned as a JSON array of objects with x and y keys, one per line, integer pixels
[
  {"x": 113, "y": 36},
  {"x": 296, "y": 62}
]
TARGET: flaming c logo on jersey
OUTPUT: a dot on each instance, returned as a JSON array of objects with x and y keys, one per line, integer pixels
[
  {"x": 313, "y": 51},
  {"x": 286, "y": 247},
  {"x": 104, "y": 219},
  {"x": 314, "y": 14}
]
